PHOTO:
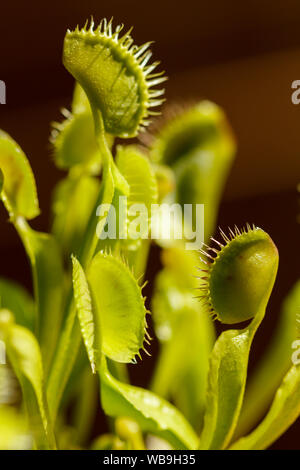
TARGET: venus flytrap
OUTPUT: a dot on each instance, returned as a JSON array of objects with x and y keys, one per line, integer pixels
[
  {"x": 236, "y": 287},
  {"x": 18, "y": 189},
  {"x": 118, "y": 83},
  {"x": 113, "y": 74},
  {"x": 13, "y": 430},
  {"x": 198, "y": 144}
]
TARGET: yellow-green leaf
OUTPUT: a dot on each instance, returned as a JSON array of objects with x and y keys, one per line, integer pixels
[
  {"x": 88, "y": 322},
  {"x": 152, "y": 413},
  {"x": 19, "y": 190},
  {"x": 119, "y": 304},
  {"x": 24, "y": 354},
  {"x": 284, "y": 410}
]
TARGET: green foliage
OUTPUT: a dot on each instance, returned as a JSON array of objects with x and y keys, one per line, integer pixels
[
  {"x": 86, "y": 319},
  {"x": 84, "y": 307},
  {"x": 14, "y": 434},
  {"x": 152, "y": 413},
  {"x": 18, "y": 190}
]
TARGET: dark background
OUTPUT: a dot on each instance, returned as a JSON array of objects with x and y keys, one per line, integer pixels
[{"x": 242, "y": 55}]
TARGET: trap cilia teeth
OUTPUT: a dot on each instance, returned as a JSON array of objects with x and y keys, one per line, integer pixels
[
  {"x": 237, "y": 274},
  {"x": 116, "y": 75}
]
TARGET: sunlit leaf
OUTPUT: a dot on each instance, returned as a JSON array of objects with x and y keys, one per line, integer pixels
[
  {"x": 72, "y": 211},
  {"x": 47, "y": 273},
  {"x": 15, "y": 298},
  {"x": 151, "y": 412},
  {"x": 119, "y": 306},
  {"x": 284, "y": 410},
  {"x": 88, "y": 322},
  {"x": 275, "y": 362},
  {"x": 19, "y": 190}
]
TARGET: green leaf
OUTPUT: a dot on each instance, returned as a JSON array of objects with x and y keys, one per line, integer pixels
[
  {"x": 24, "y": 354},
  {"x": 199, "y": 146},
  {"x": 151, "y": 412},
  {"x": 200, "y": 178},
  {"x": 275, "y": 363},
  {"x": 47, "y": 272},
  {"x": 88, "y": 322},
  {"x": 15, "y": 298},
  {"x": 283, "y": 413},
  {"x": 75, "y": 143},
  {"x": 119, "y": 306},
  {"x": 19, "y": 190}
]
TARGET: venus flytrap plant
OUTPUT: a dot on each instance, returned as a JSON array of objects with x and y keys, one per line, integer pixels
[
  {"x": 88, "y": 317},
  {"x": 237, "y": 286},
  {"x": 113, "y": 74}
]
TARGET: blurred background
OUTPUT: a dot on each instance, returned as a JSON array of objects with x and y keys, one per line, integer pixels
[{"x": 242, "y": 55}]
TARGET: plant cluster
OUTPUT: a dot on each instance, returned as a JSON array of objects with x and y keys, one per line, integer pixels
[{"x": 88, "y": 317}]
